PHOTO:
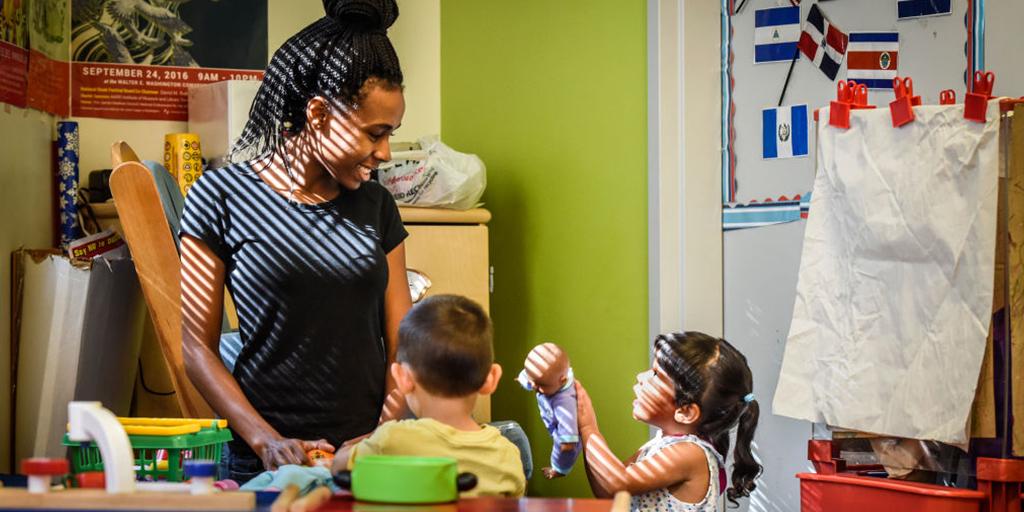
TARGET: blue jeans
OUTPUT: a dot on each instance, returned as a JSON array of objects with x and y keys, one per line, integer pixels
[{"x": 239, "y": 467}]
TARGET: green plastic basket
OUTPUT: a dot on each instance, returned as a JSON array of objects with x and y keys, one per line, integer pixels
[{"x": 205, "y": 444}]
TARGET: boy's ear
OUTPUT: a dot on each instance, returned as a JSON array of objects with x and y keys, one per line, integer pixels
[
  {"x": 491, "y": 382},
  {"x": 688, "y": 414},
  {"x": 403, "y": 378}
]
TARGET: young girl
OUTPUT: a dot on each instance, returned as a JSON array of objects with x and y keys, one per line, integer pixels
[{"x": 698, "y": 389}]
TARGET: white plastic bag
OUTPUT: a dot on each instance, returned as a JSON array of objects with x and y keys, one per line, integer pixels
[{"x": 436, "y": 176}]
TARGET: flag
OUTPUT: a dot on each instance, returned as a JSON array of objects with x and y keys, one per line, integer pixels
[
  {"x": 872, "y": 58},
  {"x": 776, "y": 32},
  {"x": 907, "y": 9},
  {"x": 823, "y": 43},
  {"x": 784, "y": 132}
]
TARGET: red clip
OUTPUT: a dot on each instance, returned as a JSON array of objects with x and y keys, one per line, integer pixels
[
  {"x": 839, "y": 110},
  {"x": 902, "y": 109},
  {"x": 947, "y": 97},
  {"x": 860, "y": 97},
  {"x": 976, "y": 101}
]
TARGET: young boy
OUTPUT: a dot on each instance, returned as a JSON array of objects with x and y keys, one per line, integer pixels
[{"x": 444, "y": 360}]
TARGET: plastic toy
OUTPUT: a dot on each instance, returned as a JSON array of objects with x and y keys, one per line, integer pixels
[
  {"x": 424, "y": 480},
  {"x": 97, "y": 429},
  {"x": 320, "y": 458}
]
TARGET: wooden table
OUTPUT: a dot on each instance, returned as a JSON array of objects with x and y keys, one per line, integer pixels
[
  {"x": 339, "y": 503},
  {"x": 88, "y": 499}
]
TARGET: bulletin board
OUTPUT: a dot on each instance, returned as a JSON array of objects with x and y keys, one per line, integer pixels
[
  {"x": 935, "y": 51},
  {"x": 761, "y": 264}
]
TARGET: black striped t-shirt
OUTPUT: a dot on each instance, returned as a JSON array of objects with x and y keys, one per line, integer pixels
[{"x": 308, "y": 282}]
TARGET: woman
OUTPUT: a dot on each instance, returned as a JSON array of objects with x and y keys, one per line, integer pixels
[{"x": 311, "y": 251}]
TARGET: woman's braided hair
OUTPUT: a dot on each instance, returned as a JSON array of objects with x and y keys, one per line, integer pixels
[{"x": 335, "y": 57}]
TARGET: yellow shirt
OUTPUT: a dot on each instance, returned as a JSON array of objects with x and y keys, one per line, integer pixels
[{"x": 485, "y": 453}]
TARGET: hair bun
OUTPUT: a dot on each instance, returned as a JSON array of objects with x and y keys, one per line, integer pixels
[{"x": 365, "y": 15}]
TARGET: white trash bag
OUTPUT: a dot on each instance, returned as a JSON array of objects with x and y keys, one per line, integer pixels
[{"x": 435, "y": 176}]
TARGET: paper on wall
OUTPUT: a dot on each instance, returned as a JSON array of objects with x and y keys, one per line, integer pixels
[{"x": 894, "y": 295}]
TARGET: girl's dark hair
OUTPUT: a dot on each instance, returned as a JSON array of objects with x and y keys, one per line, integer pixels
[
  {"x": 334, "y": 57},
  {"x": 711, "y": 373}
]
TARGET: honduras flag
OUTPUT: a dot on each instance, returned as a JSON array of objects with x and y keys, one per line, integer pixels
[
  {"x": 776, "y": 32},
  {"x": 784, "y": 132}
]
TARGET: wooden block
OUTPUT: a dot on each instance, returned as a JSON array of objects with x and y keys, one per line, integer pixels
[{"x": 98, "y": 499}]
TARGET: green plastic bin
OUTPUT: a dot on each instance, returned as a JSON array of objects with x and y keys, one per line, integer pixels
[{"x": 205, "y": 444}]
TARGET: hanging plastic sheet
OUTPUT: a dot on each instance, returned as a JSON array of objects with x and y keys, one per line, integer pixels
[{"x": 894, "y": 296}]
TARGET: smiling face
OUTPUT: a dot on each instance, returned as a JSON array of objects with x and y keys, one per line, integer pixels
[
  {"x": 350, "y": 143},
  {"x": 655, "y": 397}
]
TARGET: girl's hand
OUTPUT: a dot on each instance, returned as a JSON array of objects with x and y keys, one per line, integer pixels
[{"x": 585, "y": 417}]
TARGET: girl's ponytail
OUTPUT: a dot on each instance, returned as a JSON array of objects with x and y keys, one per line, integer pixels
[{"x": 745, "y": 468}]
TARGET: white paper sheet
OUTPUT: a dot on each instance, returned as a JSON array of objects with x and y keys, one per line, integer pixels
[{"x": 894, "y": 294}]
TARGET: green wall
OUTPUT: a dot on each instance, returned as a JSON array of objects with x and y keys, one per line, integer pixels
[{"x": 552, "y": 96}]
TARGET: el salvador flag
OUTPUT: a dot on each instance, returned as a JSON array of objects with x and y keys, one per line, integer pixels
[
  {"x": 784, "y": 132},
  {"x": 776, "y": 32}
]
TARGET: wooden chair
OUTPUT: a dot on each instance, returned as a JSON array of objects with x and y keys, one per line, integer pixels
[{"x": 157, "y": 264}]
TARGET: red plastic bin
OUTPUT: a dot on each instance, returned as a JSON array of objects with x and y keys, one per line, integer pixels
[{"x": 855, "y": 493}]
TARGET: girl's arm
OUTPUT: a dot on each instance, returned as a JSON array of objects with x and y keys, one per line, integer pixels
[
  {"x": 202, "y": 300},
  {"x": 608, "y": 475},
  {"x": 397, "y": 303}
]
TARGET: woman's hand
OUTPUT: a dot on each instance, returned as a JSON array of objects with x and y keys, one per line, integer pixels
[
  {"x": 585, "y": 417},
  {"x": 280, "y": 451}
]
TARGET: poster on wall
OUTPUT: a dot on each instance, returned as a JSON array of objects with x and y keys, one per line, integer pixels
[
  {"x": 13, "y": 52},
  {"x": 136, "y": 59},
  {"x": 49, "y": 40}
]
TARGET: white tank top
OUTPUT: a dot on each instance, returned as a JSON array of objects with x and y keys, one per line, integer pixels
[{"x": 663, "y": 500}]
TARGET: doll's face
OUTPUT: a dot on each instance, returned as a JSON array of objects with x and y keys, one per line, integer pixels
[{"x": 547, "y": 366}]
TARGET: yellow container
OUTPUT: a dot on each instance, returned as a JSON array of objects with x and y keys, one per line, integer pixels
[{"x": 183, "y": 158}]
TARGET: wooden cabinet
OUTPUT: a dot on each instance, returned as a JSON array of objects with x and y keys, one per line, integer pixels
[{"x": 449, "y": 246}]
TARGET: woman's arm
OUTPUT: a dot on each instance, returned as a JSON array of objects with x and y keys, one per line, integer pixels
[
  {"x": 608, "y": 475},
  {"x": 202, "y": 299},
  {"x": 397, "y": 303}
]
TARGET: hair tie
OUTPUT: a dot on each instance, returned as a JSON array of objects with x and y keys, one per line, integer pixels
[{"x": 748, "y": 398}]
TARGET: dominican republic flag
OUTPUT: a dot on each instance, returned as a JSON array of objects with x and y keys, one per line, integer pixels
[
  {"x": 784, "y": 132},
  {"x": 872, "y": 57},
  {"x": 907, "y": 9},
  {"x": 776, "y": 32},
  {"x": 823, "y": 43}
]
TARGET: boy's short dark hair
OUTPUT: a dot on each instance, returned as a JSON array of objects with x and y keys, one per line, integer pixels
[{"x": 446, "y": 341}]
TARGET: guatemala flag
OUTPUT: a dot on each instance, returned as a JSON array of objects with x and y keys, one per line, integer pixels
[
  {"x": 784, "y": 132},
  {"x": 776, "y": 32}
]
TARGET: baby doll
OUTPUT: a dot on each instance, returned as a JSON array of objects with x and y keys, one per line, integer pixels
[{"x": 547, "y": 372}]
